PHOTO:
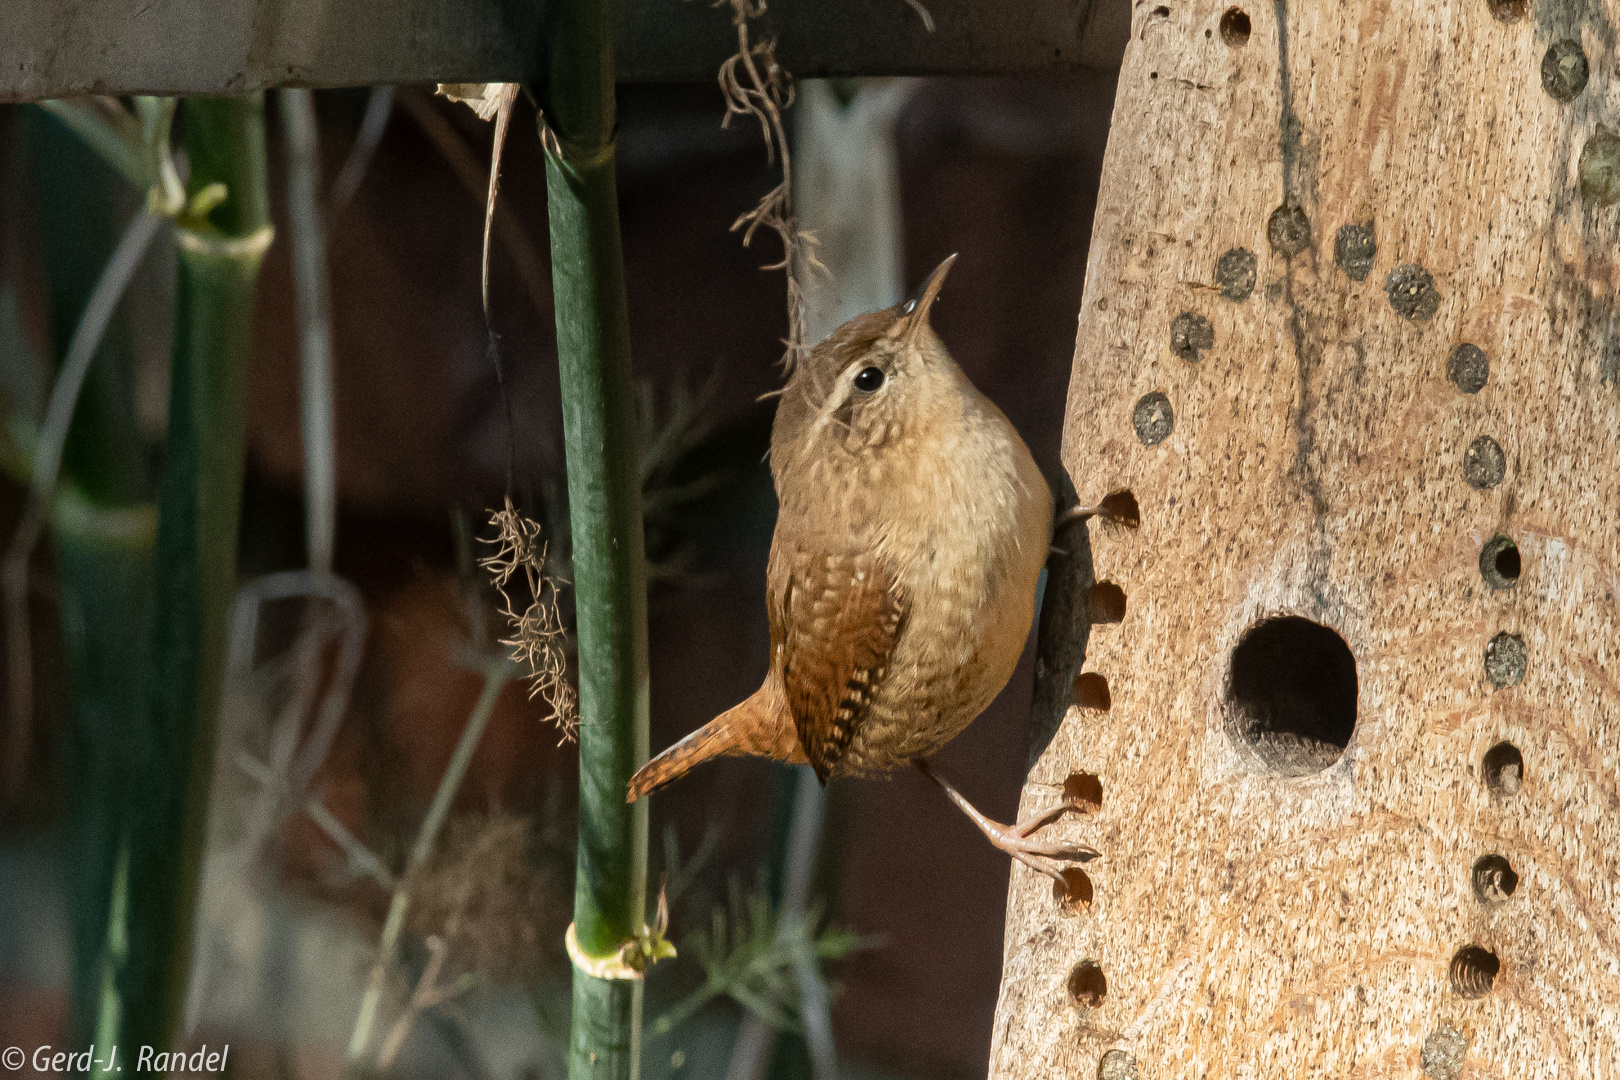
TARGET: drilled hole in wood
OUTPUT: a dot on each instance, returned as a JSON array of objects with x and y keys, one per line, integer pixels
[
  {"x": 1503, "y": 767},
  {"x": 1235, "y": 28},
  {"x": 1091, "y": 692},
  {"x": 1120, "y": 507},
  {"x": 1291, "y": 695},
  {"x": 1473, "y": 971},
  {"x": 1444, "y": 1052},
  {"x": 1074, "y": 893},
  {"x": 1087, "y": 986},
  {"x": 1499, "y": 562},
  {"x": 1107, "y": 603},
  {"x": 1153, "y": 418},
  {"x": 1191, "y": 335},
  {"x": 1493, "y": 879},
  {"x": 1085, "y": 789},
  {"x": 1468, "y": 367},
  {"x": 1509, "y": 10},
  {"x": 1484, "y": 463},
  {"x": 1118, "y": 1065},
  {"x": 1506, "y": 659},
  {"x": 1564, "y": 70}
]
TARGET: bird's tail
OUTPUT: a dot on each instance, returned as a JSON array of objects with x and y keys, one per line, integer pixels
[
  {"x": 755, "y": 727},
  {"x": 712, "y": 740}
]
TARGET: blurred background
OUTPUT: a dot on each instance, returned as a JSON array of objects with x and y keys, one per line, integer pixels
[{"x": 910, "y": 898}]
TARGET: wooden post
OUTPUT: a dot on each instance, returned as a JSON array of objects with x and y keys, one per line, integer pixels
[{"x": 1349, "y": 337}]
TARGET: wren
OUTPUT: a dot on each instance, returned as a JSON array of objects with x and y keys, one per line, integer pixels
[{"x": 903, "y": 570}]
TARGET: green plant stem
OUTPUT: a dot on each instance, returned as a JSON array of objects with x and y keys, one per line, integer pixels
[
  {"x": 497, "y": 671},
  {"x": 604, "y": 492},
  {"x": 195, "y": 570},
  {"x": 48, "y": 448},
  {"x": 115, "y": 137},
  {"x": 100, "y": 514}
]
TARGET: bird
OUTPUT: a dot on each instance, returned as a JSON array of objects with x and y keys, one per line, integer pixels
[{"x": 901, "y": 584}]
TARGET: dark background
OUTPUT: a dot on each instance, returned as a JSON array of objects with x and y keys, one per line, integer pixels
[{"x": 1003, "y": 172}]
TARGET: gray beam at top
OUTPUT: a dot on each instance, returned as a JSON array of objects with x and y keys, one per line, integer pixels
[{"x": 57, "y": 48}]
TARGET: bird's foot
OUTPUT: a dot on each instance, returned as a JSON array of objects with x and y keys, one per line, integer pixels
[
  {"x": 1119, "y": 507},
  {"x": 1019, "y": 840}
]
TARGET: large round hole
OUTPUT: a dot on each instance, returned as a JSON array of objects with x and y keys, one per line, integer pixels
[
  {"x": 1473, "y": 971},
  {"x": 1499, "y": 562},
  {"x": 1493, "y": 879},
  {"x": 1235, "y": 28},
  {"x": 1087, "y": 986},
  {"x": 1291, "y": 697},
  {"x": 1503, "y": 768}
]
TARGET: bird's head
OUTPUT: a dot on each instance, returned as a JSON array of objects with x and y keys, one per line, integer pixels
[{"x": 873, "y": 381}]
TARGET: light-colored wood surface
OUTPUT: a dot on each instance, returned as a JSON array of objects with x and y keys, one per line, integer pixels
[{"x": 1252, "y": 924}]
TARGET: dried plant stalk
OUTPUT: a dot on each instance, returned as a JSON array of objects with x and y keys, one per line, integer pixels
[
  {"x": 538, "y": 633},
  {"x": 757, "y": 87}
]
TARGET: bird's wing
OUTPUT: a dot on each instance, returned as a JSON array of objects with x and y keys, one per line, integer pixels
[{"x": 835, "y": 623}]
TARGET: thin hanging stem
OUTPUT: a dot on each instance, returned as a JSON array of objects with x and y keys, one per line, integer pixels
[
  {"x": 379, "y": 107},
  {"x": 313, "y": 292}
]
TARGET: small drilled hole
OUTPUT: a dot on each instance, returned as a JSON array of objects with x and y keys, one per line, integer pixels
[
  {"x": 1074, "y": 893},
  {"x": 1509, "y": 10},
  {"x": 1107, "y": 603},
  {"x": 1444, "y": 1052},
  {"x": 1504, "y": 769},
  {"x": 1161, "y": 12},
  {"x": 1506, "y": 659},
  {"x": 1120, "y": 508},
  {"x": 1499, "y": 562},
  {"x": 1292, "y": 695},
  {"x": 1153, "y": 418},
  {"x": 1468, "y": 368},
  {"x": 1087, "y": 986},
  {"x": 1493, "y": 879},
  {"x": 1091, "y": 692},
  {"x": 1118, "y": 1065},
  {"x": 1235, "y": 28},
  {"x": 1473, "y": 971},
  {"x": 1084, "y": 789}
]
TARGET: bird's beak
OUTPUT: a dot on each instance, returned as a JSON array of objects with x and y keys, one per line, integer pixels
[{"x": 916, "y": 311}]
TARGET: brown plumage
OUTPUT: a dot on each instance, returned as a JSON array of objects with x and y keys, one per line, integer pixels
[{"x": 902, "y": 575}]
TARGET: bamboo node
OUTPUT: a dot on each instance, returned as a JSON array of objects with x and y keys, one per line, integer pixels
[{"x": 249, "y": 248}]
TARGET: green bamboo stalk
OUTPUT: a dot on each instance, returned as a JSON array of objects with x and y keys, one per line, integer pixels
[
  {"x": 101, "y": 518},
  {"x": 604, "y": 492},
  {"x": 221, "y": 242}
]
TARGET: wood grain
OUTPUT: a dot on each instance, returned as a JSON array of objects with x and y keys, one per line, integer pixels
[{"x": 1254, "y": 925}]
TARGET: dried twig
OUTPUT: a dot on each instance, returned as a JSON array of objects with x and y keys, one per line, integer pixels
[
  {"x": 757, "y": 87},
  {"x": 379, "y": 106},
  {"x": 538, "y": 631}
]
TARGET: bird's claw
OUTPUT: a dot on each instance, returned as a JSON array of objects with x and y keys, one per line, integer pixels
[{"x": 1018, "y": 840}]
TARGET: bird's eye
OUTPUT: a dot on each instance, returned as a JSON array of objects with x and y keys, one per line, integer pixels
[{"x": 869, "y": 380}]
